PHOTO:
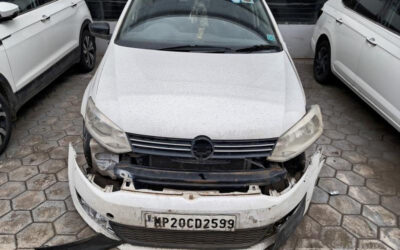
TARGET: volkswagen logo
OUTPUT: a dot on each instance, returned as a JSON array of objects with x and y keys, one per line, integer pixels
[{"x": 202, "y": 148}]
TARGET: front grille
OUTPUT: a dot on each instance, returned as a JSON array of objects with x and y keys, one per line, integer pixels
[
  {"x": 223, "y": 149},
  {"x": 242, "y": 238}
]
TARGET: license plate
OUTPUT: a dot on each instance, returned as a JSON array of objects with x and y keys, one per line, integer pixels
[{"x": 191, "y": 222}]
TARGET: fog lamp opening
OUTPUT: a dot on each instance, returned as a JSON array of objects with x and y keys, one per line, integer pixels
[{"x": 94, "y": 215}]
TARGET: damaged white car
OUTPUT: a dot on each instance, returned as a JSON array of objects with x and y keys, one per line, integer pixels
[{"x": 195, "y": 130}]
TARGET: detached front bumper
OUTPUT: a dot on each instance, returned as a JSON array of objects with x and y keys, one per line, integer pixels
[{"x": 253, "y": 210}]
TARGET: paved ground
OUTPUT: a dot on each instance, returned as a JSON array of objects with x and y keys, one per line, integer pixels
[{"x": 363, "y": 166}]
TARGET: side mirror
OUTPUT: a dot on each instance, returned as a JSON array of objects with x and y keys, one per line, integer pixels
[
  {"x": 8, "y": 11},
  {"x": 100, "y": 30}
]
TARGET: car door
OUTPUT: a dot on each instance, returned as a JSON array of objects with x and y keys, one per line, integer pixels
[
  {"x": 379, "y": 67},
  {"x": 63, "y": 26},
  {"x": 347, "y": 42},
  {"x": 24, "y": 43}
]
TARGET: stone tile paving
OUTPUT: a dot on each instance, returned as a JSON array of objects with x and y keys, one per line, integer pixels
[
  {"x": 363, "y": 166},
  {"x": 363, "y": 155},
  {"x": 35, "y": 205}
]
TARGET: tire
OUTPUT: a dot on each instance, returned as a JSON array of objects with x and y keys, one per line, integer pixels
[
  {"x": 322, "y": 63},
  {"x": 5, "y": 123},
  {"x": 88, "y": 52}
]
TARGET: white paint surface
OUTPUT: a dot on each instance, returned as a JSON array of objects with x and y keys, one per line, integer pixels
[
  {"x": 184, "y": 95},
  {"x": 36, "y": 40}
]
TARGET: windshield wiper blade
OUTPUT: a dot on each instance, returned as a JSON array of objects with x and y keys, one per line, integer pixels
[
  {"x": 201, "y": 48},
  {"x": 259, "y": 47}
]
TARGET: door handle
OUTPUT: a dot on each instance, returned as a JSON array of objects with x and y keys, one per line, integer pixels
[
  {"x": 371, "y": 41},
  {"x": 73, "y": 4},
  {"x": 339, "y": 20},
  {"x": 45, "y": 18}
]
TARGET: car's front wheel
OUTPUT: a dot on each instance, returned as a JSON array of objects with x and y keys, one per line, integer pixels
[
  {"x": 5, "y": 123},
  {"x": 322, "y": 63},
  {"x": 88, "y": 52}
]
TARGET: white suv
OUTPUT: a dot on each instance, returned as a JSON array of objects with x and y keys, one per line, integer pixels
[
  {"x": 359, "y": 42},
  {"x": 195, "y": 129},
  {"x": 39, "y": 40}
]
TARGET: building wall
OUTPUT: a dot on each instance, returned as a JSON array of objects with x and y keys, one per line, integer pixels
[
  {"x": 296, "y": 19},
  {"x": 298, "y": 39}
]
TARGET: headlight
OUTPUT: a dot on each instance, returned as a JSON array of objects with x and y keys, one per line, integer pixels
[
  {"x": 299, "y": 137},
  {"x": 105, "y": 131}
]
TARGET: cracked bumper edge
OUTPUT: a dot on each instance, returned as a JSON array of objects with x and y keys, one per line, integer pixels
[{"x": 253, "y": 210}]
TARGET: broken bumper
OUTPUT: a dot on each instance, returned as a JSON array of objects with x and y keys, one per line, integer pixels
[{"x": 252, "y": 210}]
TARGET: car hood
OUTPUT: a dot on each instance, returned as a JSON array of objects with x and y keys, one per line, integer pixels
[{"x": 184, "y": 95}]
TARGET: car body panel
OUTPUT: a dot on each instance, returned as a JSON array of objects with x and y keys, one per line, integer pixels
[
  {"x": 370, "y": 70},
  {"x": 29, "y": 31},
  {"x": 379, "y": 70},
  {"x": 5, "y": 69},
  {"x": 24, "y": 37},
  {"x": 66, "y": 19},
  {"x": 183, "y": 95}
]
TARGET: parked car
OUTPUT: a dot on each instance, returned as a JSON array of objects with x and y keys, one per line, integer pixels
[
  {"x": 39, "y": 40},
  {"x": 195, "y": 129},
  {"x": 358, "y": 41}
]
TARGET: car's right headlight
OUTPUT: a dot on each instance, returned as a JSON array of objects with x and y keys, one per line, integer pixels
[
  {"x": 297, "y": 139},
  {"x": 106, "y": 133}
]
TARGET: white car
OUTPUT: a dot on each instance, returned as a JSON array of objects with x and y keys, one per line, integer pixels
[
  {"x": 39, "y": 40},
  {"x": 195, "y": 129},
  {"x": 359, "y": 42}
]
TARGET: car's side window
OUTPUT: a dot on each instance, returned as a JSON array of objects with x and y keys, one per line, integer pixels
[
  {"x": 43, "y": 2},
  {"x": 350, "y": 3},
  {"x": 392, "y": 17},
  {"x": 27, "y": 5},
  {"x": 371, "y": 9},
  {"x": 24, "y": 5}
]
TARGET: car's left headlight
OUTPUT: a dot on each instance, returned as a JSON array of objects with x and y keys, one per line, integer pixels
[
  {"x": 297, "y": 139},
  {"x": 106, "y": 133}
]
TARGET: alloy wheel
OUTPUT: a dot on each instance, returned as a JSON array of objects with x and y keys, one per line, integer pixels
[
  {"x": 89, "y": 51},
  {"x": 322, "y": 61},
  {"x": 3, "y": 125}
]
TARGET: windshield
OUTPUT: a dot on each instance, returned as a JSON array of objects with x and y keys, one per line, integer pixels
[{"x": 188, "y": 25}]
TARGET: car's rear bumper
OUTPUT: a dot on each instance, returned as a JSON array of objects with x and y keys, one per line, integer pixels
[{"x": 253, "y": 210}]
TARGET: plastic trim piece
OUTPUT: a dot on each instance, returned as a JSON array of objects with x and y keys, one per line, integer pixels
[{"x": 200, "y": 179}]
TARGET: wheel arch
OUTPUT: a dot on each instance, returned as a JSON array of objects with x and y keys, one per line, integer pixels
[
  {"x": 325, "y": 36},
  {"x": 7, "y": 92},
  {"x": 321, "y": 38}
]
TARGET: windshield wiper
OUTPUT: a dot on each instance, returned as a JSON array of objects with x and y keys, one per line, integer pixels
[
  {"x": 260, "y": 47},
  {"x": 199, "y": 48}
]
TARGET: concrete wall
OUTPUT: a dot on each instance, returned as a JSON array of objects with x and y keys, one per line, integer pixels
[
  {"x": 296, "y": 36},
  {"x": 298, "y": 39},
  {"x": 101, "y": 43}
]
